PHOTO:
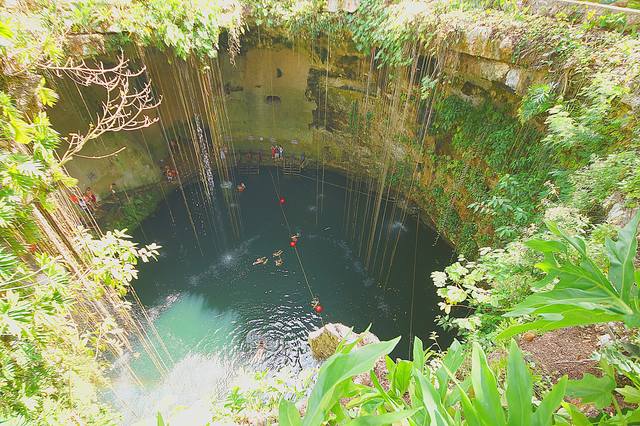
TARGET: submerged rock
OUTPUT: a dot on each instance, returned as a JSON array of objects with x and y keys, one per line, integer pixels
[{"x": 325, "y": 340}]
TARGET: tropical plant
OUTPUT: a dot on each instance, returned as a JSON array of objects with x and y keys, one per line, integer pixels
[
  {"x": 54, "y": 324},
  {"x": 580, "y": 293},
  {"x": 424, "y": 394}
]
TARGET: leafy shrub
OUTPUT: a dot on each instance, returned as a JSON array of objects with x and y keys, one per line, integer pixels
[
  {"x": 538, "y": 100},
  {"x": 597, "y": 181},
  {"x": 580, "y": 293},
  {"x": 436, "y": 396}
]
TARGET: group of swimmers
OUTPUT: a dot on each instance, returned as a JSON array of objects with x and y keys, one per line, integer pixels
[{"x": 277, "y": 255}]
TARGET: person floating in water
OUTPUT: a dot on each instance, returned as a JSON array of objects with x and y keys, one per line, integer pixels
[
  {"x": 241, "y": 187},
  {"x": 295, "y": 237},
  {"x": 260, "y": 349},
  {"x": 260, "y": 261},
  {"x": 278, "y": 259}
]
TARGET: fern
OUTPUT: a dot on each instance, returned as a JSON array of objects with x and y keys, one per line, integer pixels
[{"x": 538, "y": 100}]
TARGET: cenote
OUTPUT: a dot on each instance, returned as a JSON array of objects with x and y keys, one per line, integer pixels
[
  {"x": 205, "y": 204},
  {"x": 211, "y": 305}
]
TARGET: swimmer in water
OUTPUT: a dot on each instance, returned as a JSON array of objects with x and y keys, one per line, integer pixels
[
  {"x": 279, "y": 262},
  {"x": 260, "y": 261},
  {"x": 260, "y": 348},
  {"x": 295, "y": 237},
  {"x": 277, "y": 253}
]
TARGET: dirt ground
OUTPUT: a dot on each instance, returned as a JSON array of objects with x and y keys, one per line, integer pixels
[{"x": 565, "y": 351}]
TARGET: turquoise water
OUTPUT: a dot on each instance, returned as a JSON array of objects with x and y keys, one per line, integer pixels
[{"x": 211, "y": 305}]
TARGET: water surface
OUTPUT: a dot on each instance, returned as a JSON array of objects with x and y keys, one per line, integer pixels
[{"x": 211, "y": 306}]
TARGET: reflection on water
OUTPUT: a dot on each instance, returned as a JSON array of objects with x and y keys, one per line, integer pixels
[{"x": 213, "y": 308}]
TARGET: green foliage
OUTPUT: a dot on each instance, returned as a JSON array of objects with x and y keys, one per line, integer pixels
[
  {"x": 596, "y": 390},
  {"x": 51, "y": 345},
  {"x": 630, "y": 185},
  {"x": 435, "y": 391},
  {"x": 260, "y": 392},
  {"x": 49, "y": 371},
  {"x": 334, "y": 378},
  {"x": 606, "y": 21},
  {"x": 583, "y": 125},
  {"x": 427, "y": 86},
  {"x": 28, "y": 175},
  {"x": 538, "y": 100},
  {"x": 191, "y": 27},
  {"x": 117, "y": 273},
  {"x": 581, "y": 294},
  {"x": 90, "y": 15},
  {"x": 377, "y": 27},
  {"x": 135, "y": 210},
  {"x": 602, "y": 177}
]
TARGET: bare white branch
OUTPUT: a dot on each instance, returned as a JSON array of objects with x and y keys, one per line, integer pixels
[{"x": 124, "y": 108}]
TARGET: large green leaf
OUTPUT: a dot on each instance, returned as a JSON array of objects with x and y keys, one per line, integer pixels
[
  {"x": 546, "y": 246},
  {"x": 583, "y": 294},
  {"x": 631, "y": 394},
  {"x": 5, "y": 31},
  {"x": 471, "y": 415},
  {"x": 288, "y": 414},
  {"x": 335, "y": 370},
  {"x": 550, "y": 403},
  {"x": 160, "y": 420},
  {"x": 438, "y": 415},
  {"x": 597, "y": 390},
  {"x": 621, "y": 255},
  {"x": 418, "y": 353},
  {"x": 402, "y": 377},
  {"x": 577, "y": 417},
  {"x": 519, "y": 389},
  {"x": 569, "y": 317},
  {"x": 452, "y": 360},
  {"x": 487, "y": 398}
]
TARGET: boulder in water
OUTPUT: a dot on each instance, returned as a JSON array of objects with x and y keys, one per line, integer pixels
[{"x": 325, "y": 340}]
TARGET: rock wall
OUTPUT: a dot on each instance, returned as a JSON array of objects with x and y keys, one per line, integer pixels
[{"x": 289, "y": 93}]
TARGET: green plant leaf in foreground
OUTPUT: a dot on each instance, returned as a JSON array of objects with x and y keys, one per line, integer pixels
[
  {"x": 338, "y": 368},
  {"x": 288, "y": 414},
  {"x": 487, "y": 401},
  {"x": 583, "y": 294},
  {"x": 519, "y": 388},
  {"x": 597, "y": 390}
]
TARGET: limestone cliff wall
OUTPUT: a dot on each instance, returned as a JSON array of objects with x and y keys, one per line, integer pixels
[{"x": 292, "y": 95}]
